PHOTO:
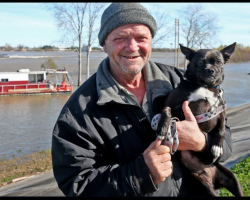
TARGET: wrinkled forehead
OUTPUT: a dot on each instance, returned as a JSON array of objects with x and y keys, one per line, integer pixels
[{"x": 210, "y": 54}]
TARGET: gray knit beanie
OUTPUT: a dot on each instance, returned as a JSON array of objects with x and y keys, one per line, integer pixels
[{"x": 119, "y": 14}]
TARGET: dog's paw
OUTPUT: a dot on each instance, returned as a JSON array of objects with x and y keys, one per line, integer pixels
[{"x": 217, "y": 151}]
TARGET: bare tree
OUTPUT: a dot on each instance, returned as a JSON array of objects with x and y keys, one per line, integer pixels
[
  {"x": 94, "y": 12},
  {"x": 8, "y": 47},
  {"x": 198, "y": 27},
  {"x": 164, "y": 29},
  {"x": 20, "y": 47},
  {"x": 69, "y": 18}
]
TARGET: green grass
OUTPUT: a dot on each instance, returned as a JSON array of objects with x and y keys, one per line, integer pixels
[
  {"x": 27, "y": 165},
  {"x": 242, "y": 172}
]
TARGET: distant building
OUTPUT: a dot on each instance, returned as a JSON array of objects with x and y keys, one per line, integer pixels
[{"x": 61, "y": 48}]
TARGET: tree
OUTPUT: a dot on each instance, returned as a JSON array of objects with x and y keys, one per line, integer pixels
[
  {"x": 198, "y": 27},
  {"x": 47, "y": 48},
  {"x": 70, "y": 19},
  {"x": 49, "y": 64},
  {"x": 8, "y": 47},
  {"x": 164, "y": 29},
  {"x": 93, "y": 10},
  {"x": 20, "y": 47}
]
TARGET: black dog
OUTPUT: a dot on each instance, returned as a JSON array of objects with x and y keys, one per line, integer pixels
[{"x": 200, "y": 87}]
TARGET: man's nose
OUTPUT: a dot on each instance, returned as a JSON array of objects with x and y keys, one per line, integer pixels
[{"x": 132, "y": 45}]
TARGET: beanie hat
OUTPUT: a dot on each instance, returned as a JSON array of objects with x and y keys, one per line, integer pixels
[{"x": 119, "y": 14}]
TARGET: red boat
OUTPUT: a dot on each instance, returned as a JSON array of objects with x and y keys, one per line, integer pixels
[{"x": 25, "y": 81}]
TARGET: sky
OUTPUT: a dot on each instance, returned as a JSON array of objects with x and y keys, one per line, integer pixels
[{"x": 32, "y": 25}]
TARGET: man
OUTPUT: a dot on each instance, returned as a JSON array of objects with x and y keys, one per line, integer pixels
[{"x": 103, "y": 143}]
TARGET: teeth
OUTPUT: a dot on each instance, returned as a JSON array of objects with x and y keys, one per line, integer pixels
[{"x": 131, "y": 56}]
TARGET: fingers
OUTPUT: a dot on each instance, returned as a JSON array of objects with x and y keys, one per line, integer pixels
[
  {"x": 157, "y": 148},
  {"x": 162, "y": 149},
  {"x": 187, "y": 112},
  {"x": 189, "y": 133},
  {"x": 158, "y": 160},
  {"x": 159, "y": 168},
  {"x": 161, "y": 172},
  {"x": 153, "y": 145}
]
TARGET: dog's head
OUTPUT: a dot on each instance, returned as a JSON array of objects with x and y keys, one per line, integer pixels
[{"x": 206, "y": 65}]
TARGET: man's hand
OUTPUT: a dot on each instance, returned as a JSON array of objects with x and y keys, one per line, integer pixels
[
  {"x": 158, "y": 160},
  {"x": 189, "y": 133}
]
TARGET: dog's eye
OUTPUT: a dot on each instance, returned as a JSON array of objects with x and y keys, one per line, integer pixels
[
  {"x": 201, "y": 62},
  {"x": 218, "y": 62}
]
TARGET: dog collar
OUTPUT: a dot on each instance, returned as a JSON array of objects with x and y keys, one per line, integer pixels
[{"x": 209, "y": 115}]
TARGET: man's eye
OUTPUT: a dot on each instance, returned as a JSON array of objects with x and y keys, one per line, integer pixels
[
  {"x": 117, "y": 39},
  {"x": 143, "y": 39}
]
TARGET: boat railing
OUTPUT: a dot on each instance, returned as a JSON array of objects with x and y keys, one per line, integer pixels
[
  {"x": 34, "y": 86},
  {"x": 60, "y": 84}
]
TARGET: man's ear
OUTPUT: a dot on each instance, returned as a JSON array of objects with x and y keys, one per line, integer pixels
[
  {"x": 104, "y": 48},
  {"x": 228, "y": 51},
  {"x": 189, "y": 53}
]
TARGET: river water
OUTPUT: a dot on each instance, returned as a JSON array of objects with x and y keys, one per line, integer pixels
[{"x": 26, "y": 122}]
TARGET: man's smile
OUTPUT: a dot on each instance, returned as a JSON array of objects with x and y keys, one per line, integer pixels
[{"x": 131, "y": 57}]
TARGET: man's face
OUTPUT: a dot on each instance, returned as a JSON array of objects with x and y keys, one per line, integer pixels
[{"x": 129, "y": 48}]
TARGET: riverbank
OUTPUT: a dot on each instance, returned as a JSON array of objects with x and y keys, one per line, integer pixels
[{"x": 23, "y": 167}]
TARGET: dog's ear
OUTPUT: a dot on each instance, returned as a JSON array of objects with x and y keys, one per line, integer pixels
[
  {"x": 189, "y": 53},
  {"x": 228, "y": 51}
]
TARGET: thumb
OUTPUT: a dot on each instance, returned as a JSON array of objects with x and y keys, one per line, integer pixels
[
  {"x": 153, "y": 145},
  {"x": 187, "y": 112}
]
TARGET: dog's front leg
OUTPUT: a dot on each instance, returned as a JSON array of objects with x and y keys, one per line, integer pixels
[
  {"x": 217, "y": 148},
  {"x": 164, "y": 123}
]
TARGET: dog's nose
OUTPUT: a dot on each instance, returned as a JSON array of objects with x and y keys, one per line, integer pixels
[{"x": 210, "y": 71}]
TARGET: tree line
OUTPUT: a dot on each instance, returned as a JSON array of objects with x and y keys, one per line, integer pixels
[
  {"x": 8, "y": 47},
  {"x": 241, "y": 53}
]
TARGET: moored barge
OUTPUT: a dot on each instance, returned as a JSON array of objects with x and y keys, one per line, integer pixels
[{"x": 25, "y": 81}]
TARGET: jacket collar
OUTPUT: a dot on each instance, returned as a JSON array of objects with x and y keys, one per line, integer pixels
[
  {"x": 157, "y": 84},
  {"x": 107, "y": 89}
]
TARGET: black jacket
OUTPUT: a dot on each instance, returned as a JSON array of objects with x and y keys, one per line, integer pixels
[{"x": 99, "y": 138}]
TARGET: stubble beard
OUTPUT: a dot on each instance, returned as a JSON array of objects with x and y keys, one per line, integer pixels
[{"x": 133, "y": 71}]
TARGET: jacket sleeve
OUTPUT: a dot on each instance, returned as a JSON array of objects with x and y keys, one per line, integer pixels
[{"x": 82, "y": 166}]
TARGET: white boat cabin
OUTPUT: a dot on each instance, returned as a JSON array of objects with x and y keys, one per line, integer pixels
[{"x": 23, "y": 76}]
